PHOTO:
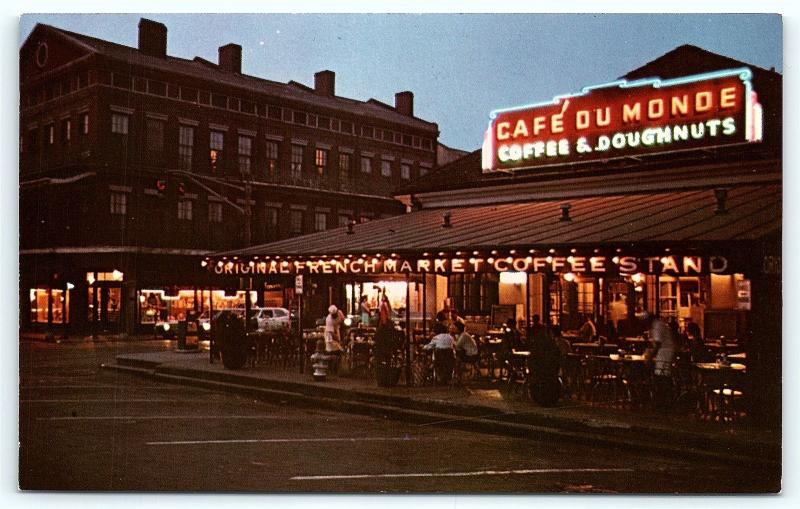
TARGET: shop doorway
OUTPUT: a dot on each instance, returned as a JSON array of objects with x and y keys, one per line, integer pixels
[{"x": 105, "y": 308}]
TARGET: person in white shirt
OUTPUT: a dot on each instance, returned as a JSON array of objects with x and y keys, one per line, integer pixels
[
  {"x": 442, "y": 345},
  {"x": 466, "y": 348},
  {"x": 333, "y": 322}
]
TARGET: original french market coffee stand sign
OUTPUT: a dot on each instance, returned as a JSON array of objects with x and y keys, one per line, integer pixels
[
  {"x": 595, "y": 265},
  {"x": 626, "y": 118}
]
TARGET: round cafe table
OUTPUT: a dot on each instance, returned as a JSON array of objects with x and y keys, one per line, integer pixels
[{"x": 719, "y": 386}]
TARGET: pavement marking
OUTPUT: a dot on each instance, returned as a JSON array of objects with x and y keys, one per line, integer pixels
[
  {"x": 155, "y": 417},
  {"x": 285, "y": 440},
  {"x": 477, "y": 473}
]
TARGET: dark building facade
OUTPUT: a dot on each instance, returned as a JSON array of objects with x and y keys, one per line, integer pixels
[{"x": 134, "y": 164}]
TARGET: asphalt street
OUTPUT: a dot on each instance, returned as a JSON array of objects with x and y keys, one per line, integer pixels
[{"x": 83, "y": 428}]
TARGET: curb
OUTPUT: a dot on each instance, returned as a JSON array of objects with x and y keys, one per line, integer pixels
[{"x": 425, "y": 413}]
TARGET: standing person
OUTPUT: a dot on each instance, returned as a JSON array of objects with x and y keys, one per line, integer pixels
[
  {"x": 588, "y": 330},
  {"x": 662, "y": 351},
  {"x": 384, "y": 311},
  {"x": 364, "y": 309},
  {"x": 333, "y": 323}
]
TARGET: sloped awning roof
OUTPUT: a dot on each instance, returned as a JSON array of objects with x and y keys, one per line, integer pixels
[{"x": 687, "y": 217}]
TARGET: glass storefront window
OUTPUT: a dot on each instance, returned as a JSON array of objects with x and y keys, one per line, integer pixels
[
  {"x": 155, "y": 305},
  {"x": 39, "y": 305}
]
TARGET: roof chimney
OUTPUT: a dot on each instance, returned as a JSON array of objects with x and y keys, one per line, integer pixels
[
  {"x": 565, "y": 212},
  {"x": 230, "y": 58},
  {"x": 152, "y": 38},
  {"x": 404, "y": 103},
  {"x": 721, "y": 195},
  {"x": 325, "y": 83}
]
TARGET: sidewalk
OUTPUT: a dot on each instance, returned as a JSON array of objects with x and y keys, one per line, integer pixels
[
  {"x": 77, "y": 338},
  {"x": 478, "y": 406}
]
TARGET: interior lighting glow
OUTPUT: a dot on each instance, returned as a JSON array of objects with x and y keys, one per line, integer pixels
[{"x": 513, "y": 278}]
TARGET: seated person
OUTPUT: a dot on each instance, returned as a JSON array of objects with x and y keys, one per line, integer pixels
[
  {"x": 466, "y": 348},
  {"x": 443, "y": 360}
]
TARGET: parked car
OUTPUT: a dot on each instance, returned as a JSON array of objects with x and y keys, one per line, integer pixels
[{"x": 271, "y": 319}]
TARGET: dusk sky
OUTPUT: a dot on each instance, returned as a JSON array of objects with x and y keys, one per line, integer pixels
[{"x": 459, "y": 66}]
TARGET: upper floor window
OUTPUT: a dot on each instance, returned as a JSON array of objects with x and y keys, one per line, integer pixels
[
  {"x": 83, "y": 119},
  {"x": 405, "y": 171},
  {"x": 214, "y": 212},
  {"x": 320, "y": 221},
  {"x": 423, "y": 171},
  {"x": 119, "y": 203},
  {"x": 51, "y": 134},
  {"x": 66, "y": 130},
  {"x": 344, "y": 219},
  {"x": 344, "y": 166},
  {"x": 366, "y": 164},
  {"x": 33, "y": 140},
  {"x": 154, "y": 137},
  {"x": 272, "y": 158},
  {"x": 216, "y": 145},
  {"x": 321, "y": 161},
  {"x": 119, "y": 123},
  {"x": 245, "y": 153},
  {"x": 386, "y": 168},
  {"x": 297, "y": 162},
  {"x": 185, "y": 147},
  {"x": 185, "y": 209},
  {"x": 271, "y": 222},
  {"x": 296, "y": 222}
]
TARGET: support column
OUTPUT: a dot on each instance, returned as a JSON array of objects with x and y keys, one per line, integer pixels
[{"x": 408, "y": 332}]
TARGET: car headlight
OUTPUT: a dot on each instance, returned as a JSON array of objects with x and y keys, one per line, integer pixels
[
  {"x": 206, "y": 326},
  {"x": 166, "y": 327}
]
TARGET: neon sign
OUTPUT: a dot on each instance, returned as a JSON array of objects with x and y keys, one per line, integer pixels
[
  {"x": 626, "y": 118},
  {"x": 599, "y": 265}
]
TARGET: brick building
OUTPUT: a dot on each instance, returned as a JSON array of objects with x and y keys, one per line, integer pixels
[{"x": 135, "y": 164}]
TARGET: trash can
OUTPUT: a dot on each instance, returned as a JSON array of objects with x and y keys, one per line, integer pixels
[
  {"x": 232, "y": 341},
  {"x": 181, "y": 335}
]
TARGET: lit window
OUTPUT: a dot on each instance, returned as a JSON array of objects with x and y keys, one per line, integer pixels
[
  {"x": 320, "y": 221},
  {"x": 297, "y": 162},
  {"x": 119, "y": 204},
  {"x": 245, "y": 153},
  {"x": 119, "y": 123},
  {"x": 216, "y": 144},
  {"x": 366, "y": 165},
  {"x": 185, "y": 147},
  {"x": 321, "y": 161},
  {"x": 296, "y": 222},
  {"x": 214, "y": 212},
  {"x": 405, "y": 171},
  {"x": 51, "y": 134},
  {"x": 386, "y": 168},
  {"x": 272, "y": 158},
  {"x": 185, "y": 209}
]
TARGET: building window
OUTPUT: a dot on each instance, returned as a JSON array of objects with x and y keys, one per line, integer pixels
[
  {"x": 344, "y": 166},
  {"x": 245, "y": 154},
  {"x": 366, "y": 165},
  {"x": 154, "y": 137},
  {"x": 299, "y": 117},
  {"x": 119, "y": 123},
  {"x": 119, "y": 204},
  {"x": 84, "y": 123},
  {"x": 51, "y": 134},
  {"x": 321, "y": 161},
  {"x": 66, "y": 131},
  {"x": 405, "y": 171},
  {"x": 320, "y": 221},
  {"x": 214, "y": 212},
  {"x": 364, "y": 218},
  {"x": 272, "y": 158},
  {"x": 271, "y": 222},
  {"x": 185, "y": 147},
  {"x": 216, "y": 144},
  {"x": 386, "y": 168},
  {"x": 423, "y": 171},
  {"x": 185, "y": 209},
  {"x": 41, "y": 301},
  {"x": 297, "y": 162},
  {"x": 344, "y": 219},
  {"x": 296, "y": 222}
]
